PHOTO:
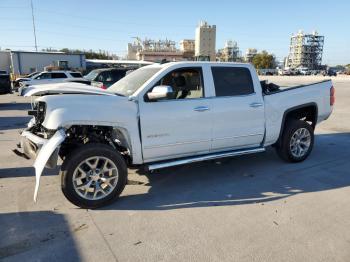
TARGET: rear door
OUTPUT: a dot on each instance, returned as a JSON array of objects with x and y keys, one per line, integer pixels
[
  {"x": 179, "y": 126},
  {"x": 238, "y": 109},
  {"x": 57, "y": 77},
  {"x": 42, "y": 78}
]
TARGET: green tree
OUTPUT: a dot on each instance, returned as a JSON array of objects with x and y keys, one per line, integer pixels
[{"x": 264, "y": 60}]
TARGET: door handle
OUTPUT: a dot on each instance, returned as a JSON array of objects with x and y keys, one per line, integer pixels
[
  {"x": 255, "y": 104},
  {"x": 201, "y": 108}
]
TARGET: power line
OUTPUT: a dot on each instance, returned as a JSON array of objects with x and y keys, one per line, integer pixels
[
  {"x": 36, "y": 45},
  {"x": 109, "y": 20}
]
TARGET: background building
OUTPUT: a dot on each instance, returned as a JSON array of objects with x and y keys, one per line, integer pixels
[
  {"x": 230, "y": 52},
  {"x": 305, "y": 51},
  {"x": 154, "y": 50},
  {"x": 132, "y": 50},
  {"x": 187, "y": 47},
  {"x": 249, "y": 54},
  {"x": 205, "y": 42},
  {"x": 5, "y": 61},
  {"x": 25, "y": 62}
]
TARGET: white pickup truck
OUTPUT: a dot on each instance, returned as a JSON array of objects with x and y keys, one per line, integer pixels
[{"x": 165, "y": 115}]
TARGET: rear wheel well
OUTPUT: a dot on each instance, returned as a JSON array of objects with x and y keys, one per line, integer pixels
[{"x": 307, "y": 113}]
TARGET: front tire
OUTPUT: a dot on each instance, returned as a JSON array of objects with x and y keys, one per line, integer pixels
[
  {"x": 93, "y": 175},
  {"x": 296, "y": 142}
]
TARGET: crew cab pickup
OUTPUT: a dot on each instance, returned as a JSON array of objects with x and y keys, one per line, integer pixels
[{"x": 165, "y": 115}]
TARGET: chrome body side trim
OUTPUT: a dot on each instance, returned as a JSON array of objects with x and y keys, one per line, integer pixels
[
  {"x": 204, "y": 157},
  {"x": 177, "y": 144},
  {"x": 233, "y": 137}
]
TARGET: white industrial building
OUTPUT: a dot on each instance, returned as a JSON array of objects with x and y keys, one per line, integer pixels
[
  {"x": 154, "y": 50},
  {"x": 25, "y": 62},
  {"x": 249, "y": 54},
  {"x": 205, "y": 42}
]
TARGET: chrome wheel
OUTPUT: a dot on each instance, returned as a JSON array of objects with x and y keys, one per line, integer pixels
[
  {"x": 300, "y": 142},
  {"x": 95, "y": 178}
]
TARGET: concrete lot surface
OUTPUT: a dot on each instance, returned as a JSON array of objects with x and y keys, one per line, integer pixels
[{"x": 250, "y": 208}]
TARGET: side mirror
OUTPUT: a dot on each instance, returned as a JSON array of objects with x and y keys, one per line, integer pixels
[{"x": 160, "y": 92}]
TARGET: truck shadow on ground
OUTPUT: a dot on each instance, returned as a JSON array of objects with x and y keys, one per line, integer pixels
[
  {"x": 36, "y": 236},
  {"x": 243, "y": 180},
  {"x": 27, "y": 171},
  {"x": 13, "y": 122},
  {"x": 15, "y": 106}
]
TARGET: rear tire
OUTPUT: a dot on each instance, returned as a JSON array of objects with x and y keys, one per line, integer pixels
[
  {"x": 93, "y": 175},
  {"x": 296, "y": 142}
]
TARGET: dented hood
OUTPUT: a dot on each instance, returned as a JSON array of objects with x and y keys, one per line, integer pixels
[{"x": 64, "y": 88}]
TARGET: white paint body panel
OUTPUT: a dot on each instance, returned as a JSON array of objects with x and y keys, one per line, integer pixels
[
  {"x": 278, "y": 103},
  {"x": 172, "y": 129},
  {"x": 44, "y": 154},
  {"x": 104, "y": 110},
  {"x": 237, "y": 125},
  {"x": 62, "y": 88},
  {"x": 180, "y": 132}
]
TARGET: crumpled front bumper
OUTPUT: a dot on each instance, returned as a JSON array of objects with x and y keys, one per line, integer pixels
[
  {"x": 44, "y": 151},
  {"x": 31, "y": 145}
]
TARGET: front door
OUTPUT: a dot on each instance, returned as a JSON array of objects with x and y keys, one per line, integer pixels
[{"x": 178, "y": 126}]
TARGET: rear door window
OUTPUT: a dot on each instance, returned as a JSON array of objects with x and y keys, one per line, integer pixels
[
  {"x": 232, "y": 81},
  {"x": 58, "y": 75}
]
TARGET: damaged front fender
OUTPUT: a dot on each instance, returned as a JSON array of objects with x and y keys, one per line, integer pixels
[{"x": 44, "y": 154}]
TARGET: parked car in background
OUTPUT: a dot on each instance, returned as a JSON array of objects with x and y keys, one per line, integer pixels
[
  {"x": 51, "y": 77},
  {"x": 284, "y": 72},
  {"x": 105, "y": 77},
  {"x": 329, "y": 72},
  {"x": 165, "y": 115},
  {"x": 16, "y": 83},
  {"x": 267, "y": 72},
  {"x": 303, "y": 71},
  {"x": 3, "y": 72}
]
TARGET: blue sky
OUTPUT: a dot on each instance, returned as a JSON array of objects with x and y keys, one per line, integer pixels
[{"x": 110, "y": 25}]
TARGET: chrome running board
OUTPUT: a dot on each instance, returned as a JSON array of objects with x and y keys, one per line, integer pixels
[{"x": 189, "y": 160}]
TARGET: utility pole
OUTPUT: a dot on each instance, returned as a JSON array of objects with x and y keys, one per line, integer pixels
[{"x": 36, "y": 46}]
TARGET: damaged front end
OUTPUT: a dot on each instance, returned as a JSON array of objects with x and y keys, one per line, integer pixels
[{"x": 40, "y": 144}]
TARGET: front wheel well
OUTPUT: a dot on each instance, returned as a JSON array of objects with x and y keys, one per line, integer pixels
[{"x": 78, "y": 135}]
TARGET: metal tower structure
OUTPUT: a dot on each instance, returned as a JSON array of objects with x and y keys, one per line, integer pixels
[{"x": 306, "y": 51}]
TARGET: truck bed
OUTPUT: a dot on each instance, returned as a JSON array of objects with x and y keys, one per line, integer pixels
[
  {"x": 272, "y": 88},
  {"x": 279, "y": 100}
]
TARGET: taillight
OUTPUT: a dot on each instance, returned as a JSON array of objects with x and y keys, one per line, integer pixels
[{"x": 332, "y": 96}]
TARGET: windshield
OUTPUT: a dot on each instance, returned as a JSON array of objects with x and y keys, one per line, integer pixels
[
  {"x": 92, "y": 75},
  {"x": 133, "y": 81}
]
